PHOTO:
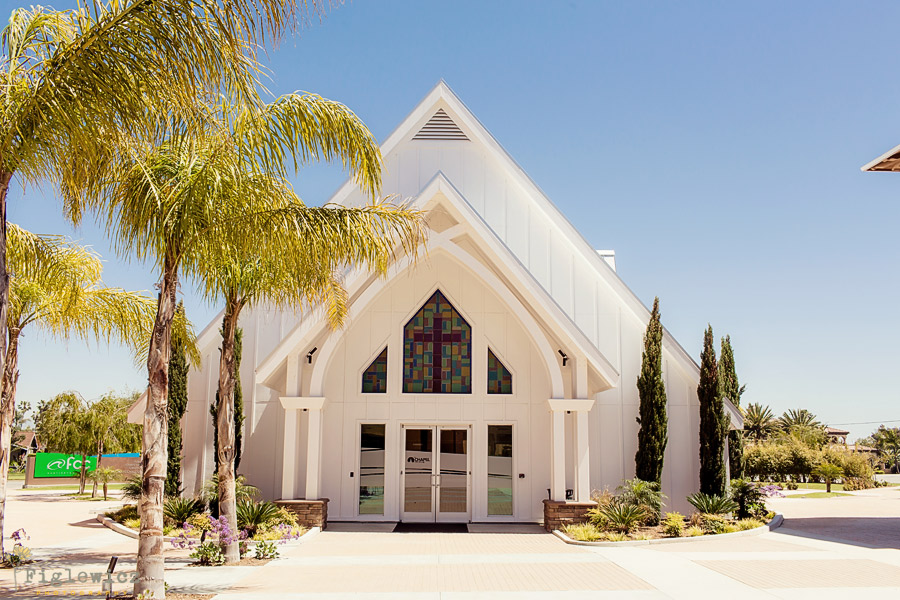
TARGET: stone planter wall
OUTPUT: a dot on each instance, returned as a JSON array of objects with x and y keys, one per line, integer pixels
[
  {"x": 310, "y": 513},
  {"x": 558, "y": 513}
]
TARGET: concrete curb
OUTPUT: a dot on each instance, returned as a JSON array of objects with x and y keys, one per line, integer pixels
[
  {"x": 775, "y": 523},
  {"x": 119, "y": 528}
]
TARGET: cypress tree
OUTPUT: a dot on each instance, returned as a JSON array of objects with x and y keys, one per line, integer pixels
[
  {"x": 731, "y": 389},
  {"x": 653, "y": 434},
  {"x": 713, "y": 421},
  {"x": 178, "y": 398},
  {"x": 238, "y": 407}
]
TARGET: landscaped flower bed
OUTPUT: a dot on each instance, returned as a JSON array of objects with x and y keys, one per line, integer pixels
[{"x": 633, "y": 513}]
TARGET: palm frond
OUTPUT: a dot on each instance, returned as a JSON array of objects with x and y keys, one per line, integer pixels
[{"x": 301, "y": 128}]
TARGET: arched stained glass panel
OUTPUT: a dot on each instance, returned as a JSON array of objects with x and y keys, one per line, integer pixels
[
  {"x": 374, "y": 379},
  {"x": 437, "y": 350},
  {"x": 499, "y": 377}
]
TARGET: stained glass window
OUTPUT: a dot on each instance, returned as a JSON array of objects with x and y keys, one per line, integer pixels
[
  {"x": 374, "y": 379},
  {"x": 437, "y": 350},
  {"x": 499, "y": 377}
]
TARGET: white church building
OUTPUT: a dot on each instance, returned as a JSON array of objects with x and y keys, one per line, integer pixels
[{"x": 495, "y": 371}]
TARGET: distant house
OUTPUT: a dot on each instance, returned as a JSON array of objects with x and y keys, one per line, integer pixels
[
  {"x": 25, "y": 442},
  {"x": 836, "y": 436}
]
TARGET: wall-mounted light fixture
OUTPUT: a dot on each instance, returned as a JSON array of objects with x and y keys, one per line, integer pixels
[
  {"x": 564, "y": 356},
  {"x": 313, "y": 351}
]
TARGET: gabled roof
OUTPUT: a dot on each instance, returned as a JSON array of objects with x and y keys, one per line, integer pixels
[{"x": 889, "y": 161}]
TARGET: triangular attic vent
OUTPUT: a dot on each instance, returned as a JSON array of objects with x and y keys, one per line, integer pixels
[{"x": 440, "y": 127}]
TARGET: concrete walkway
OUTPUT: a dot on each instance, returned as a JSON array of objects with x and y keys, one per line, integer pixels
[{"x": 828, "y": 547}]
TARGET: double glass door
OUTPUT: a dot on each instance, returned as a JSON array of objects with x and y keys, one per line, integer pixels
[{"x": 436, "y": 474}]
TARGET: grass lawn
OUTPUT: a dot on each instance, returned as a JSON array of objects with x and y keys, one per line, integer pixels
[
  {"x": 16, "y": 475},
  {"x": 111, "y": 486},
  {"x": 820, "y": 486},
  {"x": 819, "y": 495}
]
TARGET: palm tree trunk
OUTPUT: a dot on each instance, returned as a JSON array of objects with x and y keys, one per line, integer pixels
[
  {"x": 150, "y": 562},
  {"x": 7, "y": 413},
  {"x": 225, "y": 427}
]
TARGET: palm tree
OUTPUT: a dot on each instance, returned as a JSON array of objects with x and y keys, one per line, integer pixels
[
  {"x": 798, "y": 417},
  {"x": 73, "y": 80},
  {"x": 759, "y": 422},
  {"x": 57, "y": 288},
  {"x": 887, "y": 441},
  {"x": 829, "y": 473},
  {"x": 194, "y": 201}
]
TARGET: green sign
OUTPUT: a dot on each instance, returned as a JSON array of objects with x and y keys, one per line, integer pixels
[{"x": 54, "y": 464}]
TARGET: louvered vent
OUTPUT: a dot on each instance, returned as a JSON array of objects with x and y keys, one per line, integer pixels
[{"x": 440, "y": 127}]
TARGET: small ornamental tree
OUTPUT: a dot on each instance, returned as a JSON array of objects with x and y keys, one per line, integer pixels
[
  {"x": 713, "y": 422},
  {"x": 652, "y": 436},
  {"x": 732, "y": 390},
  {"x": 178, "y": 398}
]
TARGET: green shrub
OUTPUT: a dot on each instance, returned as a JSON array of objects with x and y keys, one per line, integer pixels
[
  {"x": 624, "y": 517},
  {"x": 284, "y": 517},
  {"x": 264, "y": 550},
  {"x": 129, "y": 511},
  {"x": 673, "y": 524},
  {"x": 693, "y": 531},
  {"x": 714, "y": 523},
  {"x": 168, "y": 529},
  {"x": 208, "y": 554},
  {"x": 613, "y": 536},
  {"x": 199, "y": 522},
  {"x": 582, "y": 532},
  {"x": 642, "y": 494},
  {"x": 19, "y": 555},
  {"x": 745, "y": 524},
  {"x": 714, "y": 505},
  {"x": 178, "y": 510},
  {"x": 132, "y": 523},
  {"x": 272, "y": 533},
  {"x": 858, "y": 483},
  {"x": 731, "y": 528},
  {"x": 251, "y": 515},
  {"x": 749, "y": 498},
  {"x": 641, "y": 536}
]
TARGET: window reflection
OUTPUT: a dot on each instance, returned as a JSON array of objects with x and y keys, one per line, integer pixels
[{"x": 500, "y": 470}]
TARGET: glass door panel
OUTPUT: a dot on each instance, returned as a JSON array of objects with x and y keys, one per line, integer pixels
[
  {"x": 500, "y": 470},
  {"x": 371, "y": 469},
  {"x": 418, "y": 465},
  {"x": 453, "y": 480}
]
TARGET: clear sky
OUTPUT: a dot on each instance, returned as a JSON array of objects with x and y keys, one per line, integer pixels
[{"x": 714, "y": 146}]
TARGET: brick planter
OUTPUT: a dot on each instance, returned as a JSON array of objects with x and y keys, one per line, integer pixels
[
  {"x": 310, "y": 513},
  {"x": 558, "y": 513}
]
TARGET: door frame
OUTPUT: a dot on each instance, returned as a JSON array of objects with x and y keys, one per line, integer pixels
[{"x": 436, "y": 516}]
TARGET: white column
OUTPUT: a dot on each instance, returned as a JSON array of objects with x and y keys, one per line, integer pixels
[
  {"x": 559, "y": 407},
  {"x": 582, "y": 458},
  {"x": 289, "y": 450},
  {"x": 558, "y": 455},
  {"x": 289, "y": 460},
  {"x": 314, "y": 454}
]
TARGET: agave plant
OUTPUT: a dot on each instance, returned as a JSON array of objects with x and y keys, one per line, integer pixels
[
  {"x": 711, "y": 504},
  {"x": 179, "y": 510},
  {"x": 623, "y": 517},
  {"x": 250, "y": 514}
]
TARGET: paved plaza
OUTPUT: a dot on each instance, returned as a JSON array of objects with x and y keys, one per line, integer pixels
[{"x": 827, "y": 548}]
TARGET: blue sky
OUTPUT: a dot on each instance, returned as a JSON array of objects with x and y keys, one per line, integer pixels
[{"x": 715, "y": 146}]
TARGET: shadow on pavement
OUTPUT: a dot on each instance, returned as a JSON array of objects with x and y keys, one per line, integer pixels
[{"x": 867, "y": 532}]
